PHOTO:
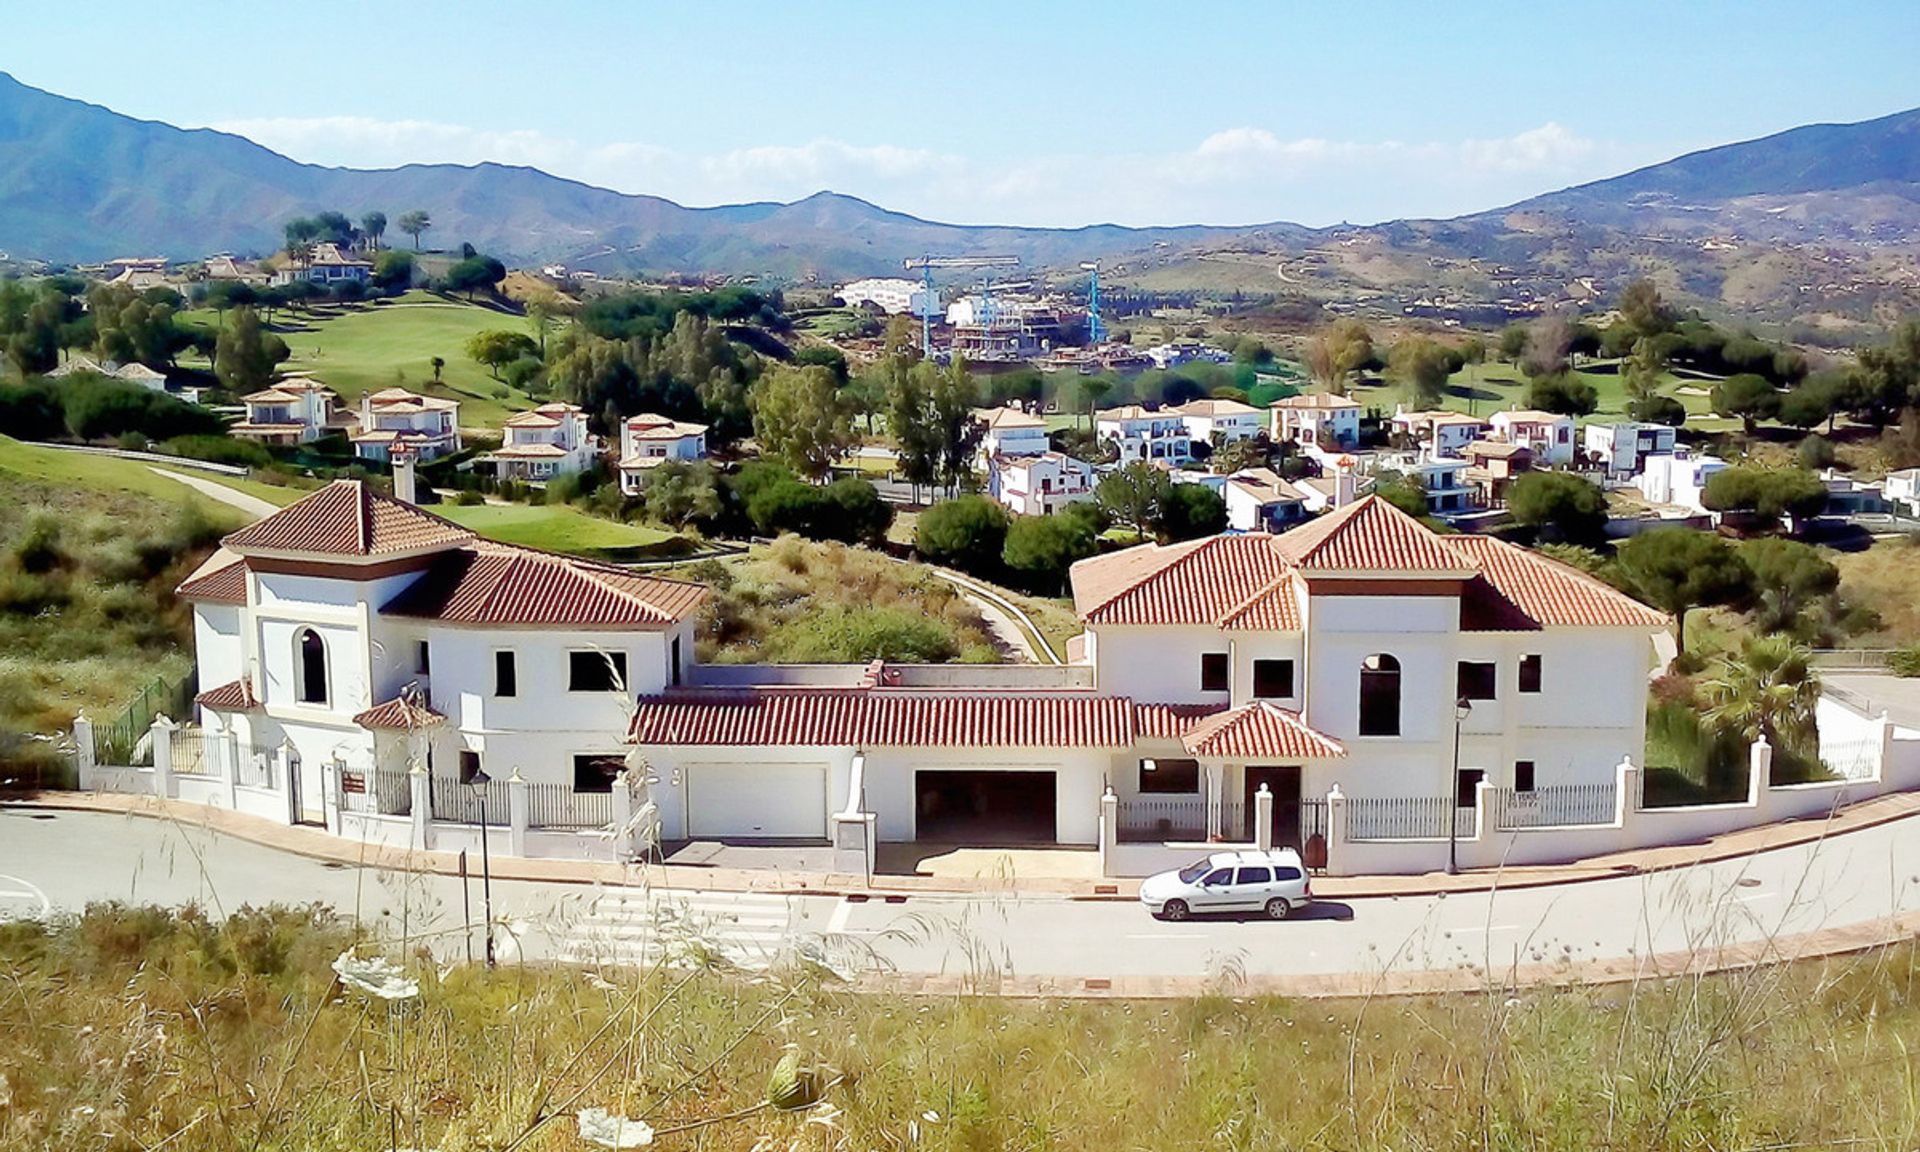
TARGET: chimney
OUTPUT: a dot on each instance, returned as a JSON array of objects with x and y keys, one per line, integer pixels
[
  {"x": 1343, "y": 482},
  {"x": 403, "y": 474}
]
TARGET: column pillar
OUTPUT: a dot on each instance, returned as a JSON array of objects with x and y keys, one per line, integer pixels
[
  {"x": 1336, "y": 832},
  {"x": 420, "y": 807},
  {"x": 283, "y": 779},
  {"x": 1216, "y": 784},
  {"x": 1263, "y": 819},
  {"x": 517, "y": 815},
  {"x": 623, "y": 817},
  {"x": 162, "y": 742},
  {"x": 333, "y": 796},
  {"x": 83, "y": 754},
  {"x": 1109, "y": 830}
]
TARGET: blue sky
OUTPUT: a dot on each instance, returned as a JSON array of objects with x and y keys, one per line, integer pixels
[{"x": 989, "y": 112}]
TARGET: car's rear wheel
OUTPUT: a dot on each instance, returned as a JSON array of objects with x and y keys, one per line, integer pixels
[
  {"x": 1278, "y": 908},
  {"x": 1174, "y": 910}
]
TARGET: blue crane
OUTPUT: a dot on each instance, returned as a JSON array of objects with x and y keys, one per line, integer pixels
[{"x": 927, "y": 264}]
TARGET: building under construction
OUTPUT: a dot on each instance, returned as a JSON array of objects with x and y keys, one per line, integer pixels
[{"x": 988, "y": 330}]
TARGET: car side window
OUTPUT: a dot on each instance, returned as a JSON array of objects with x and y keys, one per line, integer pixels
[
  {"x": 1219, "y": 876},
  {"x": 1286, "y": 873},
  {"x": 1256, "y": 876}
]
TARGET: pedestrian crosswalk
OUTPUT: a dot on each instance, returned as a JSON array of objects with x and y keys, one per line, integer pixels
[{"x": 648, "y": 926}]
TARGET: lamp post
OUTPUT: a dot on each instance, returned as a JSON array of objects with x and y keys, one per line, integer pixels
[
  {"x": 478, "y": 783},
  {"x": 1462, "y": 708}
]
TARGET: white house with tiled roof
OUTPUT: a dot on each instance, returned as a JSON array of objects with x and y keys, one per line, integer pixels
[
  {"x": 1215, "y": 421},
  {"x": 551, "y": 440},
  {"x": 1316, "y": 418},
  {"x": 1009, "y": 431},
  {"x": 1040, "y": 485},
  {"x": 294, "y": 411},
  {"x": 648, "y": 441},
  {"x": 1548, "y": 435},
  {"x": 392, "y": 417},
  {"x": 1260, "y": 500},
  {"x": 1144, "y": 434}
]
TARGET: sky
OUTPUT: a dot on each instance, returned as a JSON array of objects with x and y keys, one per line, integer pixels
[{"x": 986, "y": 112}]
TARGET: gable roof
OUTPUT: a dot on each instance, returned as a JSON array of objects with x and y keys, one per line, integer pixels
[
  {"x": 1369, "y": 535},
  {"x": 234, "y": 696},
  {"x": 488, "y": 583},
  {"x": 1196, "y": 582},
  {"x": 1528, "y": 416},
  {"x": 1216, "y": 407},
  {"x": 220, "y": 579},
  {"x": 1008, "y": 417},
  {"x": 348, "y": 519},
  {"x": 1323, "y": 401},
  {"x": 1260, "y": 729},
  {"x": 1275, "y": 608},
  {"x": 400, "y": 713},
  {"x": 1530, "y": 591}
]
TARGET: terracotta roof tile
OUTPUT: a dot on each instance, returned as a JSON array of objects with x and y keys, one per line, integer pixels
[
  {"x": 1168, "y": 721},
  {"x": 499, "y": 584},
  {"x": 1320, "y": 401},
  {"x": 1275, "y": 608},
  {"x": 1259, "y": 730},
  {"x": 220, "y": 579},
  {"x": 879, "y": 718},
  {"x": 1197, "y": 582},
  {"x": 400, "y": 713},
  {"x": 236, "y": 696},
  {"x": 1369, "y": 535},
  {"x": 1541, "y": 592},
  {"x": 346, "y": 518}
]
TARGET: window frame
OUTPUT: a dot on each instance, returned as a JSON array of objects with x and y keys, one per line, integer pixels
[
  {"x": 1532, "y": 671},
  {"x": 1159, "y": 774},
  {"x": 303, "y": 687},
  {"x": 422, "y": 658},
  {"x": 1291, "y": 682},
  {"x": 1487, "y": 669},
  {"x": 1525, "y": 776},
  {"x": 1212, "y": 662},
  {"x": 598, "y": 659},
  {"x": 1466, "y": 786},
  {"x": 508, "y": 660},
  {"x": 1361, "y": 725},
  {"x": 584, "y": 760},
  {"x": 468, "y": 766}
]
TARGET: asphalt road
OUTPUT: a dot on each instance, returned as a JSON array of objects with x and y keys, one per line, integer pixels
[{"x": 57, "y": 861}]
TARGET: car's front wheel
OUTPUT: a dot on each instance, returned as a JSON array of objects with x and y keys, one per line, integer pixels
[
  {"x": 1278, "y": 908},
  {"x": 1174, "y": 910}
]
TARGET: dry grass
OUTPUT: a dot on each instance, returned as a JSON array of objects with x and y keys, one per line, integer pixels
[
  {"x": 134, "y": 1029},
  {"x": 1886, "y": 578}
]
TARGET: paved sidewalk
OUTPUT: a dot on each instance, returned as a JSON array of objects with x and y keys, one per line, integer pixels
[{"x": 317, "y": 843}]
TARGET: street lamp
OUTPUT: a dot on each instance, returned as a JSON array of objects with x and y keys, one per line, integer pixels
[
  {"x": 1462, "y": 708},
  {"x": 478, "y": 782}
]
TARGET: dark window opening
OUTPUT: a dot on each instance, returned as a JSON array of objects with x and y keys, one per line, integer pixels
[
  {"x": 1477, "y": 680},
  {"x": 595, "y": 773},
  {"x": 1213, "y": 672},
  {"x": 1523, "y": 775},
  {"x": 469, "y": 766},
  {"x": 596, "y": 671},
  {"x": 1163, "y": 776},
  {"x": 313, "y": 668},
  {"x": 1468, "y": 792},
  {"x": 1380, "y": 696},
  {"x": 1529, "y": 673},
  {"x": 1254, "y": 876},
  {"x": 422, "y": 658},
  {"x": 674, "y": 671},
  {"x": 1272, "y": 678},
  {"x": 1286, "y": 872},
  {"x": 506, "y": 679}
]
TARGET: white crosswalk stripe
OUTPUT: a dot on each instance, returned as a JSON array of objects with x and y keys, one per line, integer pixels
[{"x": 641, "y": 926}]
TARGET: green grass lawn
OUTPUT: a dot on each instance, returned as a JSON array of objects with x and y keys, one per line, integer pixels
[
  {"x": 112, "y": 474},
  {"x": 368, "y": 347},
  {"x": 1483, "y": 389},
  {"x": 555, "y": 528}
]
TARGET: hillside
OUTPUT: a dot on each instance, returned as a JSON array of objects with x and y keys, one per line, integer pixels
[{"x": 1817, "y": 227}]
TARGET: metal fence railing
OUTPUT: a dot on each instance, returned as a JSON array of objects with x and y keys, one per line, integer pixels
[
  {"x": 122, "y": 740},
  {"x": 253, "y": 766},
  {"x": 559, "y": 806},
  {"x": 1153, "y": 818},
  {"x": 1406, "y": 818},
  {"x": 1313, "y": 822},
  {"x": 381, "y": 792},
  {"x": 460, "y": 803},
  {"x": 1564, "y": 804}
]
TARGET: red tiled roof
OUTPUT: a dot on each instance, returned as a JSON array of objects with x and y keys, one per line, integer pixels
[
  {"x": 346, "y": 518},
  {"x": 1369, "y": 535},
  {"x": 220, "y": 579},
  {"x": 1168, "y": 721},
  {"x": 234, "y": 697},
  {"x": 1197, "y": 582},
  {"x": 878, "y": 718},
  {"x": 1259, "y": 730},
  {"x": 1539, "y": 592},
  {"x": 1275, "y": 608},
  {"x": 498, "y": 584},
  {"x": 400, "y": 713}
]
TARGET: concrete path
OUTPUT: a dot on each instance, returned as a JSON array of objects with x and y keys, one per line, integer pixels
[
  {"x": 1031, "y": 640},
  {"x": 251, "y": 505},
  {"x": 1846, "y": 892}
]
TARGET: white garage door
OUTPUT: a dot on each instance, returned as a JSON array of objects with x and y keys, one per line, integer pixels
[{"x": 753, "y": 800}]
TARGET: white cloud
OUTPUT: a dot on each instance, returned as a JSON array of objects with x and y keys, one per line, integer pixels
[{"x": 1238, "y": 174}]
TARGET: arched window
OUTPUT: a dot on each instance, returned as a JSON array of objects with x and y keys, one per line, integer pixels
[
  {"x": 1380, "y": 696},
  {"x": 311, "y": 667}
]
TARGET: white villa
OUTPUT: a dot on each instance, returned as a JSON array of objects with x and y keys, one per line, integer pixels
[
  {"x": 134, "y": 373},
  {"x": 1040, "y": 485},
  {"x": 327, "y": 266},
  {"x": 892, "y": 295},
  {"x": 1443, "y": 434},
  {"x": 1902, "y": 491},
  {"x": 1228, "y": 420},
  {"x": 394, "y": 417},
  {"x": 1316, "y": 417},
  {"x": 1548, "y": 435},
  {"x": 352, "y": 637},
  {"x": 296, "y": 410},
  {"x": 1678, "y": 478},
  {"x": 1260, "y": 500},
  {"x": 1621, "y": 449},
  {"x": 1141, "y": 434},
  {"x": 648, "y": 441},
  {"x": 1008, "y": 431},
  {"x": 551, "y": 440}
]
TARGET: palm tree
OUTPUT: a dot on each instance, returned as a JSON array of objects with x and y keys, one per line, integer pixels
[
  {"x": 1095, "y": 389},
  {"x": 1766, "y": 692},
  {"x": 373, "y": 226}
]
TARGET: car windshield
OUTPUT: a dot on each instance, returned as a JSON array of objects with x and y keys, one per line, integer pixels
[{"x": 1194, "y": 871}]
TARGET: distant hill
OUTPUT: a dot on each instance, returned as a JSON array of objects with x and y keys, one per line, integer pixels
[{"x": 1819, "y": 224}]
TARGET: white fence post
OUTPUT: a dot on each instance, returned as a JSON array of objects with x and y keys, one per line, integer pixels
[
  {"x": 1109, "y": 830},
  {"x": 333, "y": 798},
  {"x": 622, "y": 816},
  {"x": 420, "y": 805},
  {"x": 1336, "y": 831},
  {"x": 83, "y": 761},
  {"x": 283, "y": 779},
  {"x": 1759, "y": 770},
  {"x": 1626, "y": 791},
  {"x": 1263, "y": 819},
  {"x": 161, "y": 734},
  {"x": 517, "y": 815}
]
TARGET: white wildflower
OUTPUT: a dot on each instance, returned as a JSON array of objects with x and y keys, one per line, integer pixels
[
  {"x": 601, "y": 1127},
  {"x": 824, "y": 1114},
  {"x": 376, "y": 976},
  {"x": 930, "y": 1116}
]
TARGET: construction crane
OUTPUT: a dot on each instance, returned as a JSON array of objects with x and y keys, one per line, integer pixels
[
  {"x": 1095, "y": 333},
  {"x": 927, "y": 264}
]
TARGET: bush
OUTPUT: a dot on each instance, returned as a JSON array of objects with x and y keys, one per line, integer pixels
[
  {"x": 1562, "y": 393},
  {"x": 96, "y": 408},
  {"x": 846, "y": 634},
  {"x": 31, "y": 411},
  {"x": 1574, "y": 508},
  {"x": 967, "y": 532},
  {"x": 131, "y": 442},
  {"x": 468, "y": 498},
  {"x": 1815, "y": 452},
  {"x": 219, "y": 450},
  {"x": 1904, "y": 661}
]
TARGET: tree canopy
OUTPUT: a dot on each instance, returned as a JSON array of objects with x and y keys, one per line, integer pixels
[{"x": 1677, "y": 569}]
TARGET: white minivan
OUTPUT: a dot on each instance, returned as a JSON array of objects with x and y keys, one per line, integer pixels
[{"x": 1273, "y": 882}]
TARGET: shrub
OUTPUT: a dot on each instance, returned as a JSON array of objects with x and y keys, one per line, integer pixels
[
  {"x": 1815, "y": 452},
  {"x": 219, "y": 450},
  {"x": 967, "y": 532},
  {"x": 1573, "y": 507},
  {"x": 468, "y": 498},
  {"x": 1904, "y": 661}
]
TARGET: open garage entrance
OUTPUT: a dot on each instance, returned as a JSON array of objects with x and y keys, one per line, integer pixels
[{"x": 977, "y": 807}]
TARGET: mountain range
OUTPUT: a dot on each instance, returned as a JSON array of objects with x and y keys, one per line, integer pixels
[{"x": 1818, "y": 224}]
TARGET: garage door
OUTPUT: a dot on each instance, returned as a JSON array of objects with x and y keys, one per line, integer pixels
[{"x": 751, "y": 801}]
